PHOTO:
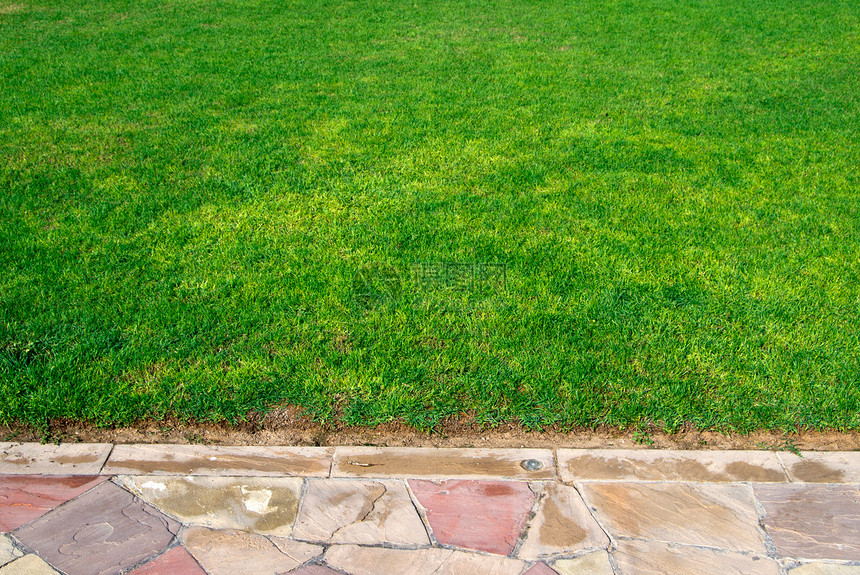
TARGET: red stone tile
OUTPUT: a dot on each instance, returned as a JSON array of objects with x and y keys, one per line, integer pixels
[
  {"x": 541, "y": 569},
  {"x": 177, "y": 561},
  {"x": 483, "y": 515},
  {"x": 24, "y": 498}
]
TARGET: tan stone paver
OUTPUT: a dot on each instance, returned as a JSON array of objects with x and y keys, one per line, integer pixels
[
  {"x": 823, "y": 467},
  {"x": 813, "y": 521},
  {"x": 430, "y": 463},
  {"x": 231, "y": 552},
  {"x": 219, "y": 460},
  {"x": 819, "y": 568},
  {"x": 541, "y": 569},
  {"x": 714, "y": 515},
  {"x": 7, "y": 551},
  {"x": 379, "y": 561},
  {"x": 365, "y": 512},
  {"x": 562, "y": 524},
  {"x": 660, "y": 465},
  {"x": 28, "y": 565},
  {"x": 257, "y": 504},
  {"x": 63, "y": 459},
  {"x": 655, "y": 558},
  {"x": 596, "y": 563}
]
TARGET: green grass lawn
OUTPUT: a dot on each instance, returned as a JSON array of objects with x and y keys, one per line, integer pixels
[{"x": 214, "y": 207}]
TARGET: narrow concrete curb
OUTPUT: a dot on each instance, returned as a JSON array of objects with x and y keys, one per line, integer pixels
[{"x": 574, "y": 465}]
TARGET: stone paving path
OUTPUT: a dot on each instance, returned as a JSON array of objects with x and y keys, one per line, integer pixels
[{"x": 97, "y": 509}]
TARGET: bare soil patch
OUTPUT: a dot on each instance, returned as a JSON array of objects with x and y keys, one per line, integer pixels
[{"x": 289, "y": 427}]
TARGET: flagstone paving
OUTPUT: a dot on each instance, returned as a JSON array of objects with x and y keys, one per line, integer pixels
[
  {"x": 813, "y": 521},
  {"x": 262, "y": 505},
  {"x": 177, "y": 561},
  {"x": 200, "y": 510}
]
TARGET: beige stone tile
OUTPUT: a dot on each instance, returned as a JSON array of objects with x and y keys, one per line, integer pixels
[
  {"x": 713, "y": 515},
  {"x": 823, "y": 466},
  {"x": 364, "y": 512},
  {"x": 431, "y": 463},
  {"x": 662, "y": 465},
  {"x": 63, "y": 459},
  {"x": 654, "y": 558},
  {"x": 819, "y": 568},
  {"x": 596, "y": 563},
  {"x": 257, "y": 504},
  {"x": 218, "y": 460},
  {"x": 27, "y": 565},
  {"x": 562, "y": 524},
  {"x": 230, "y": 552},
  {"x": 7, "y": 551},
  {"x": 378, "y": 561}
]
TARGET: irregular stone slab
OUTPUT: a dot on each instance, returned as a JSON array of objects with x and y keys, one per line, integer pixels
[
  {"x": 8, "y": 552},
  {"x": 596, "y": 563},
  {"x": 661, "y": 465},
  {"x": 26, "y": 497},
  {"x": 177, "y": 561},
  {"x": 541, "y": 569},
  {"x": 314, "y": 570},
  {"x": 431, "y": 463},
  {"x": 102, "y": 532},
  {"x": 813, "y": 521},
  {"x": 260, "y": 505},
  {"x": 823, "y": 466},
  {"x": 63, "y": 459},
  {"x": 562, "y": 524},
  {"x": 654, "y": 558},
  {"x": 231, "y": 552},
  {"x": 483, "y": 515},
  {"x": 714, "y": 515},
  {"x": 379, "y": 561},
  {"x": 825, "y": 569},
  {"x": 28, "y": 565},
  {"x": 218, "y": 460},
  {"x": 365, "y": 512}
]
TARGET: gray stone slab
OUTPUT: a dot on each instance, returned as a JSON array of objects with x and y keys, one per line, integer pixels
[
  {"x": 101, "y": 532},
  {"x": 218, "y": 460},
  {"x": 663, "y": 465},
  {"x": 813, "y": 521},
  {"x": 63, "y": 459},
  {"x": 432, "y": 463}
]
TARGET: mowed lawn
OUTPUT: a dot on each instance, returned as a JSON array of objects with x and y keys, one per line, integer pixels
[{"x": 210, "y": 208}]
